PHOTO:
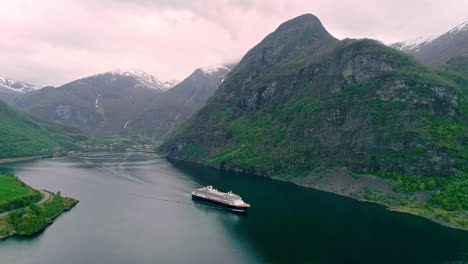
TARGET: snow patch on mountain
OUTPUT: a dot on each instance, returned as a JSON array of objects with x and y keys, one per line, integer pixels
[
  {"x": 16, "y": 86},
  {"x": 462, "y": 27},
  {"x": 169, "y": 84},
  {"x": 414, "y": 45},
  {"x": 144, "y": 79},
  {"x": 213, "y": 69}
]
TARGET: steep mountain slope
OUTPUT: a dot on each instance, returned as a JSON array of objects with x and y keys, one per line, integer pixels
[
  {"x": 23, "y": 135},
  {"x": 435, "y": 50},
  {"x": 458, "y": 64},
  {"x": 176, "y": 105},
  {"x": 301, "y": 100},
  {"x": 10, "y": 89},
  {"x": 99, "y": 104}
]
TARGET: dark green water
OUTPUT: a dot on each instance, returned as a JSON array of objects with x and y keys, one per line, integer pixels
[{"x": 136, "y": 208}]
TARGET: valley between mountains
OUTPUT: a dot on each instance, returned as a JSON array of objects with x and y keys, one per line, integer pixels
[{"x": 355, "y": 117}]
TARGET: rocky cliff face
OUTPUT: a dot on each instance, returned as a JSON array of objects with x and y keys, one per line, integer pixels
[{"x": 301, "y": 100}]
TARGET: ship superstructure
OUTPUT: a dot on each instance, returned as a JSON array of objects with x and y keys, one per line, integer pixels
[{"x": 229, "y": 200}]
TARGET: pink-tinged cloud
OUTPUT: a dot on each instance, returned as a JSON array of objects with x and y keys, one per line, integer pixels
[{"x": 50, "y": 42}]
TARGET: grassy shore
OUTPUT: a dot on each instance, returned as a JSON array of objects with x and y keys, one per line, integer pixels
[
  {"x": 21, "y": 213},
  {"x": 15, "y": 194},
  {"x": 392, "y": 194},
  {"x": 454, "y": 219}
]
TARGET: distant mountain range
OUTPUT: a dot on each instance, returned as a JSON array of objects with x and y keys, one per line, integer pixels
[
  {"x": 173, "y": 107},
  {"x": 142, "y": 79},
  {"x": 16, "y": 86},
  {"x": 437, "y": 49},
  {"x": 99, "y": 104},
  {"x": 123, "y": 102},
  {"x": 10, "y": 89}
]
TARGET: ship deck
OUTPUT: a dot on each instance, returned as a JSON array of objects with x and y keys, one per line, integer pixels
[{"x": 219, "y": 195}]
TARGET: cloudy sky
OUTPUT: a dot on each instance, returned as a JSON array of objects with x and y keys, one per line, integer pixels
[{"x": 51, "y": 42}]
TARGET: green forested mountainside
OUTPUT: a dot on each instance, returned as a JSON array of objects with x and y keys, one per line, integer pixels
[
  {"x": 24, "y": 135},
  {"x": 458, "y": 64},
  {"x": 301, "y": 100}
]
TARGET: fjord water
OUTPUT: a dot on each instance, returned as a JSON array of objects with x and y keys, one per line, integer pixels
[{"x": 136, "y": 208}]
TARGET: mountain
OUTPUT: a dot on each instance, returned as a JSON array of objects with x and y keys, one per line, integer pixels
[
  {"x": 10, "y": 89},
  {"x": 142, "y": 79},
  {"x": 99, "y": 104},
  {"x": 24, "y": 135},
  {"x": 175, "y": 106},
  {"x": 437, "y": 49},
  {"x": 301, "y": 101}
]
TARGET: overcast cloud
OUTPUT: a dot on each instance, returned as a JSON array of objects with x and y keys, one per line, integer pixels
[{"x": 50, "y": 42}]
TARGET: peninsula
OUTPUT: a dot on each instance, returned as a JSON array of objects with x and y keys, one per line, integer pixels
[{"x": 26, "y": 211}]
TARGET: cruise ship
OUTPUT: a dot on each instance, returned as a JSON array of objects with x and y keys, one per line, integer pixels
[{"x": 229, "y": 200}]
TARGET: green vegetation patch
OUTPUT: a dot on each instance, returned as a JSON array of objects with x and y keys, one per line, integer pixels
[
  {"x": 458, "y": 219},
  {"x": 450, "y": 135},
  {"x": 15, "y": 194},
  {"x": 448, "y": 202},
  {"x": 34, "y": 218},
  {"x": 22, "y": 135},
  {"x": 183, "y": 129},
  {"x": 223, "y": 115},
  {"x": 194, "y": 151},
  {"x": 408, "y": 183},
  {"x": 453, "y": 194},
  {"x": 25, "y": 217},
  {"x": 11, "y": 187}
]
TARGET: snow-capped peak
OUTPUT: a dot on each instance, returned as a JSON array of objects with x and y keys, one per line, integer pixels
[
  {"x": 417, "y": 43},
  {"x": 414, "y": 44},
  {"x": 16, "y": 86},
  {"x": 462, "y": 27},
  {"x": 145, "y": 79},
  {"x": 213, "y": 69}
]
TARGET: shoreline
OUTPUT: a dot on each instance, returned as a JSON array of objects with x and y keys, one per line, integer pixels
[
  {"x": 400, "y": 209},
  {"x": 392, "y": 208},
  {"x": 50, "y": 221},
  {"x": 337, "y": 188},
  {"x": 9, "y": 160},
  {"x": 340, "y": 191}
]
